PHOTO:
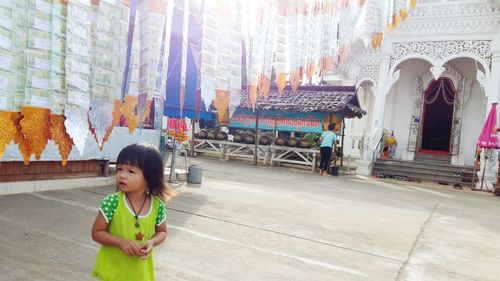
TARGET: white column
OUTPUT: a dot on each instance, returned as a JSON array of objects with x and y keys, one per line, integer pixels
[
  {"x": 375, "y": 128},
  {"x": 489, "y": 158},
  {"x": 492, "y": 88},
  {"x": 379, "y": 105}
]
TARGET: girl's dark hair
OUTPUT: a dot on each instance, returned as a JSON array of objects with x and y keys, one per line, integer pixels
[
  {"x": 331, "y": 126},
  {"x": 147, "y": 157}
]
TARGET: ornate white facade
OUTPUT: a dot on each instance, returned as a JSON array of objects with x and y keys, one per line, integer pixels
[{"x": 456, "y": 40}]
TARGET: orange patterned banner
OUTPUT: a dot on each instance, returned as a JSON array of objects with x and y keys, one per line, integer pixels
[
  {"x": 36, "y": 127},
  {"x": 7, "y": 131},
  {"x": 60, "y": 137}
]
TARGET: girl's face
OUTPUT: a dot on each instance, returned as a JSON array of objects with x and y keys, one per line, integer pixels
[{"x": 130, "y": 179}]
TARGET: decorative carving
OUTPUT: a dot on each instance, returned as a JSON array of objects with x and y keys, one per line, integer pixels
[
  {"x": 368, "y": 72},
  {"x": 36, "y": 127},
  {"x": 481, "y": 77},
  {"x": 391, "y": 80},
  {"x": 60, "y": 137},
  {"x": 7, "y": 130},
  {"x": 413, "y": 139},
  {"x": 467, "y": 25},
  {"x": 450, "y": 9},
  {"x": 466, "y": 18},
  {"x": 440, "y": 51},
  {"x": 457, "y": 118},
  {"x": 437, "y": 71}
]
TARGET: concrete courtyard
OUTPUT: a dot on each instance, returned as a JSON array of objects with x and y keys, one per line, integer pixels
[{"x": 260, "y": 223}]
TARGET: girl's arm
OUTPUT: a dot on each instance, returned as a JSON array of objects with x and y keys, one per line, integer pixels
[
  {"x": 157, "y": 239},
  {"x": 101, "y": 235}
]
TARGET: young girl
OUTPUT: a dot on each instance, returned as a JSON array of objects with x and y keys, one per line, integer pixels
[
  {"x": 131, "y": 221},
  {"x": 327, "y": 139}
]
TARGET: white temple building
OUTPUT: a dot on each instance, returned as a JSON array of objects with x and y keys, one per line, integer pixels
[{"x": 432, "y": 82}]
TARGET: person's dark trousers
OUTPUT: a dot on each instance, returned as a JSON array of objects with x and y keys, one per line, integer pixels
[{"x": 326, "y": 153}]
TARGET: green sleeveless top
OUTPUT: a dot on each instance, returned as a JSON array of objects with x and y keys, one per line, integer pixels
[{"x": 111, "y": 262}]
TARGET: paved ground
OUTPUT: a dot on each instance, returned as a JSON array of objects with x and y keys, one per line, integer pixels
[{"x": 260, "y": 223}]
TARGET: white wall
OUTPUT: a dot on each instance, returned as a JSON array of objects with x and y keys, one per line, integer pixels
[
  {"x": 399, "y": 105},
  {"x": 400, "y": 102},
  {"x": 355, "y": 127},
  {"x": 475, "y": 111}
]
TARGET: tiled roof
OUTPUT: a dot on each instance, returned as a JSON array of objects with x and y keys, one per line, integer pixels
[{"x": 308, "y": 99}]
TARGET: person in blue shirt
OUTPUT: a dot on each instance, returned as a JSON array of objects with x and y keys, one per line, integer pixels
[{"x": 327, "y": 139}]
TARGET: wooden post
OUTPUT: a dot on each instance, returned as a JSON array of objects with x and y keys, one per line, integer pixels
[
  {"x": 342, "y": 146},
  {"x": 256, "y": 136},
  {"x": 191, "y": 142}
]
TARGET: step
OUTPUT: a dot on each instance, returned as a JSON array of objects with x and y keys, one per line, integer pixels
[
  {"x": 424, "y": 165},
  {"x": 419, "y": 173},
  {"x": 429, "y": 169},
  {"x": 445, "y": 159},
  {"x": 426, "y": 179},
  {"x": 424, "y": 176},
  {"x": 425, "y": 170}
]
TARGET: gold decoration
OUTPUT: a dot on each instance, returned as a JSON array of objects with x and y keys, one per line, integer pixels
[
  {"x": 128, "y": 109},
  {"x": 221, "y": 102},
  {"x": 117, "y": 114},
  {"x": 147, "y": 111},
  {"x": 60, "y": 137},
  {"x": 264, "y": 85},
  {"x": 253, "y": 95},
  {"x": 403, "y": 13},
  {"x": 22, "y": 142},
  {"x": 36, "y": 127},
  {"x": 281, "y": 82},
  {"x": 413, "y": 3},
  {"x": 376, "y": 40},
  {"x": 325, "y": 65},
  {"x": 7, "y": 131},
  {"x": 310, "y": 71},
  {"x": 396, "y": 20},
  {"x": 294, "y": 80}
]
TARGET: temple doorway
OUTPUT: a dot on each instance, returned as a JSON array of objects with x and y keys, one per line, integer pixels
[{"x": 439, "y": 98}]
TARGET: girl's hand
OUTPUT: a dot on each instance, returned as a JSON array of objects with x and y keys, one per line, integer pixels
[
  {"x": 130, "y": 248},
  {"x": 145, "y": 250}
]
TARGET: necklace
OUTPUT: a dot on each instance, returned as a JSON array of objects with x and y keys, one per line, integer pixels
[{"x": 136, "y": 214}]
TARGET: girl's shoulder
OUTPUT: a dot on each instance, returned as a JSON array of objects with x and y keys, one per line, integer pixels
[
  {"x": 108, "y": 205},
  {"x": 160, "y": 209},
  {"x": 112, "y": 197},
  {"x": 157, "y": 199}
]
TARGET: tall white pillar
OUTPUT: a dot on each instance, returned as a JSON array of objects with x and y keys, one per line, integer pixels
[
  {"x": 493, "y": 85},
  {"x": 380, "y": 97},
  {"x": 375, "y": 132},
  {"x": 489, "y": 158}
]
